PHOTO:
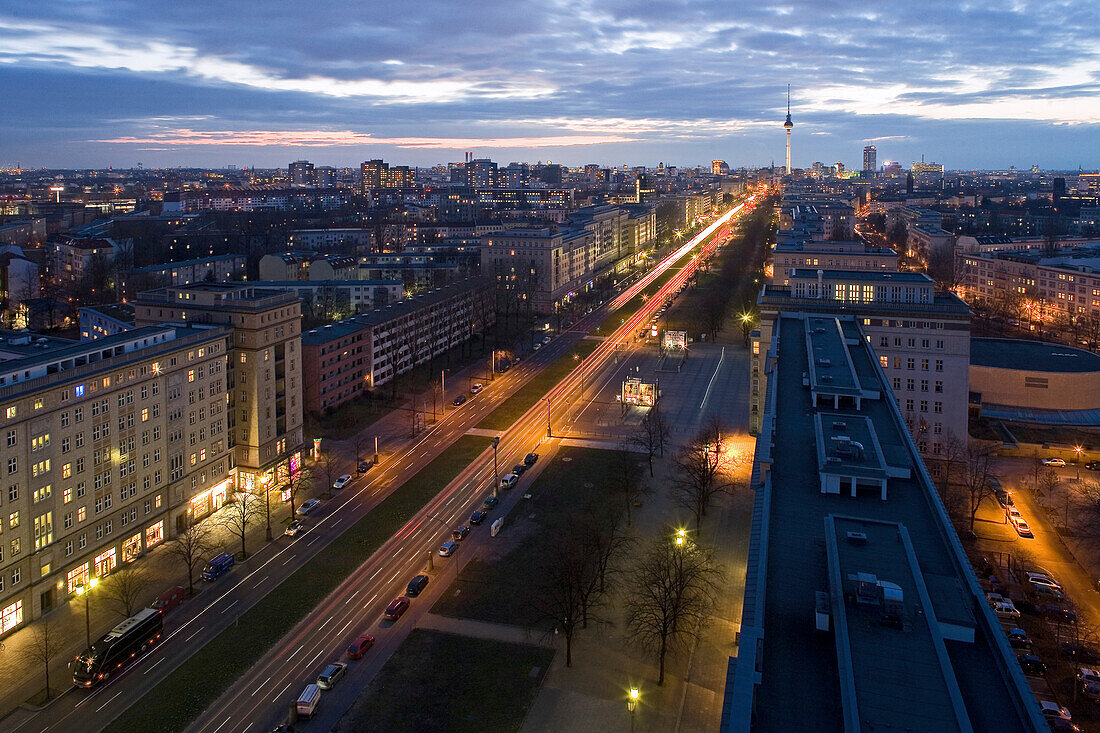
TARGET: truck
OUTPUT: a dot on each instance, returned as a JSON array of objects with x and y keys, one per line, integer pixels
[{"x": 307, "y": 701}]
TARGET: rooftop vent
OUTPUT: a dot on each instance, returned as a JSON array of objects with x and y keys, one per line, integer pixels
[
  {"x": 857, "y": 538},
  {"x": 840, "y": 425},
  {"x": 824, "y": 361}
]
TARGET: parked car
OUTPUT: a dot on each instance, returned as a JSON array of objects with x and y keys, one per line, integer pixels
[
  {"x": 460, "y": 400},
  {"x": 365, "y": 466},
  {"x": 478, "y": 517},
  {"x": 536, "y": 346},
  {"x": 168, "y": 600},
  {"x": 490, "y": 502},
  {"x": 309, "y": 507},
  {"x": 1059, "y": 613},
  {"x": 545, "y": 339},
  {"x": 1052, "y": 709},
  {"x": 1046, "y": 591},
  {"x": 1018, "y": 639},
  {"x": 1042, "y": 579},
  {"x": 459, "y": 533},
  {"x": 1078, "y": 652},
  {"x": 530, "y": 458},
  {"x": 477, "y": 388},
  {"x": 397, "y": 607},
  {"x": 306, "y": 704},
  {"x": 1089, "y": 681},
  {"x": 331, "y": 674},
  {"x": 448, "y": 549},
  {"x": 295, "y": 528},
  {"x": 341, "y": 482},
  {"x": 518, "y": 469},
  {"x": 1059, "y": 725},
  {"x": 996, "y": 598},
  {"x": 417, "y": 585},
  {"x": 1004, "y": 498},
  {"x": 360, "y": 646},
  {"x": 1021, "y": 527},
  {"x": 1005, "y": 610},
  {"x": 1032, "y": 665},
  {"x": 1056, "y": 462},
  {"x": 1092, "y": 466},
  {"x": 508, "y": 480}
]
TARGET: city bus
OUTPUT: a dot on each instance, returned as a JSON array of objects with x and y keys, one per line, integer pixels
[{"x": 118, "y": 647}]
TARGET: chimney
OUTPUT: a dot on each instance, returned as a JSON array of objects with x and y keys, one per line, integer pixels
[{"x": 820, "y": 284}]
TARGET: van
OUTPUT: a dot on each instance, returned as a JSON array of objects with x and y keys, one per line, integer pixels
[
  {"x": 508, "y": 480},
  {"x": 218, "y": 566},
  {"x": 168, "y": 600},
  {"x": 307, "y": 701}
]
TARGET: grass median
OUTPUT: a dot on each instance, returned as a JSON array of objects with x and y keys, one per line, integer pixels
[
  {"x": 513, "y": 408},
  {"x": 193, "y": 686}
]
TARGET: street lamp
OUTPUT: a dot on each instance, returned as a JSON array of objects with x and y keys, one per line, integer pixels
[
  {"x": 632, "y": 705},
  {"x": 681, "y": 537},
  {"x": 496, "y": 475},
  {"x": 264, "y": 481},
  {"x": 85, "y": 590},
  {"x": 1079, "y": 450}
]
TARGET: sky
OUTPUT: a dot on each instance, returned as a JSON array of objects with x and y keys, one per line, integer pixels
[{"x": 166, "y": 83}]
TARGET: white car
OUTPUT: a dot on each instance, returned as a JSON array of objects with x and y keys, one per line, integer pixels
[
  {"x": 1089, "y": 679},
  {"x": 1043, "y": 579},
  {"x": 308, "y": 507},
  {"x": 1056, "y": 462},
  {"x": 1021, "y": 527},
  {"x": 476, "y": 388},
  {"x": 1005, "y": 610},
  {"x": 342, "y": 481},
  {"x": 1054, "y": 710}
]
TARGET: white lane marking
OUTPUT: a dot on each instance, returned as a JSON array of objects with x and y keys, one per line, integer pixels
[
  {"x": 310, "y": 662},
  {"x": 713, "y": 377},
  {"x": 345, "y": 627},
  {"x": 280, "y": 694},
  {"x": 325, "y": 623},
  {"x": 295, "y": 652},
  {"x": 222, "y": 725},
  {"x": 262, "y": 684},
  {"x": 195, "y": 634},
  {"x": 150, "y": 667},
  {"x": 260, "y": 583},
  {"x": 288, "y": 559},
  {"x": 109, "y": 701}
]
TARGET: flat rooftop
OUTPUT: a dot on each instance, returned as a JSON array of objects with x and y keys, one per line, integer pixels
[
  {"x": 878, "y": 276},
  {"x": 1032, "y": 356},
  {"x": 811, "y": 655}
]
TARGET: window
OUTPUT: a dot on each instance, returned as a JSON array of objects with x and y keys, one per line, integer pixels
[
  {"x": 13, "y": 465},
  {"x": 11, "y": 411},
  {"x": 15, "y": 547},
  {"x": 82, "y": 514},
  {"x": 13, "y": 493},
  {"x": 80, "y": 487},
  {"x": 42, "y": 494},
  {"x": 11, "y": 438},
  {"x": 13, "y": 520},
  {"x": 66, "y": 470},
  {"x": 12, "y": 615},
  {"x": 43, "y": 530},
  {"x": 82, "y": 540},
  {"x": 939, "y": 365},
  {"x": 66, "y": 495},
  {"x": 938, "y": 407},
  {"x": 924, "y": 365},
  {"x": 939, "y": 386},
  {"x": 924, "y": 385},
  {"x": 39, "y": 403},
  {"x": 154, "y": 534},
  {"x": 884, "y": 361},
  {"x": 924, "y": 405},
  {"x": 909, "y": 405},
  {"x": 911, "y": 363},
  {"x": 40, "y": 467},
  {"x": 68, "y": 520}
]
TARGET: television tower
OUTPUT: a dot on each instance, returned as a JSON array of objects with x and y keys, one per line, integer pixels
[{"x": 788, "y": 125}]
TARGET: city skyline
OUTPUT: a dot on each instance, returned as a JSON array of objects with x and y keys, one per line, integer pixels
[{"x": 974, "y": 88}]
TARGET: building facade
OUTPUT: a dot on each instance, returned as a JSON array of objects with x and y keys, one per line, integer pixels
[{"x": 790, "y": 255}]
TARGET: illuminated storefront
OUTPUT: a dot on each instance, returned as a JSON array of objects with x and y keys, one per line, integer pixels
[
  {"x": 76, "y": 578},
  {"x": 277, "y": 476},
  {"x": 105, "y": 562},
  {"x": 131, "y": 548},
  {"x": 209, "y": 501},
  {"x": 154, "y": 534},
  {"x": 11, "y": 616}
]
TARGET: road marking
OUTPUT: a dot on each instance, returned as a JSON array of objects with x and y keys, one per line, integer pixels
[
  {"x": 222, "y": 725},
  {"x": 295, "y": 652},
  {"x": 349, "y": 623},
  {"x": 150, "y": 667},
  {"x": 195, "y": 634},
  {"x": 315, "y": 538},
  {"x": 325, "y": 623},
  {"x": 260, "y": 583},
  {"x": 276, "y": 698},
  {"x": 374, "y": 573},
  {"x": 109, "y": 701},
  {"x": 310, "y": 663},
  {"x": 395, "y": 576},
  {"x": 706, "y": 395},
  {"x": 367, "y": 604},
  {"x": 288, "y": 559},
  {"x": 234, "y": 603},
  {"x": 262, "y": 684}
]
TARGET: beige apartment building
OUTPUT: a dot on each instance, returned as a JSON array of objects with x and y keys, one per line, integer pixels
[
  {"x": 265, "y": 369},
  {"x": 109, "y": 447}
]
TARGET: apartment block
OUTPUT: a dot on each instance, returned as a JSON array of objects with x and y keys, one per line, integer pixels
[
  {"x": 72, "y": 258},
  {"x": 265, "y": 368},
  {"x": 921, "y": 338},
  {"x": 110, "y": 446},
  {"x": 1056, "y": 287},
  {"x": 794, "y": 254}
]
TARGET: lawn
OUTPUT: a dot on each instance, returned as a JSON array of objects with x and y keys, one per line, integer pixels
[
  {"x": 198, "y": 682},
  {"x": 513, "y": 408},
  {"x": 439, "y": 681},
  {"x": 488, "y": 590}
]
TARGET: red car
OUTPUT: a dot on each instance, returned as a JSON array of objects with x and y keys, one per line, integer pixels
[
  {"x": 360, "y": 646},
  {"x": 397, "y": 607}
]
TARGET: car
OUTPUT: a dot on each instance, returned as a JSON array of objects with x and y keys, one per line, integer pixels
[
  {"x": 995, "y": 598},
  {"x": 417, "y": 585},
  {"x": 478, "y": 517},
  {"x": 1005, "y": 610},
  {"x": 448, "y": 548},
  {"x": 295, "y": 528},
  {"x": 397, "y": 608},
  {"x": 1004, "y": 498},
  {"x": 168, "y": 600},
  {"x": 1056, "y": 462},
  {"x": 460, "y": 400},
  {"x": 1032, "y": 665},
  {"x": 508, "y": 480},
  {"x": 360, "y": 646},
  {"x": 1059, "y": 613},
  {"x": 1052, "y": 709},
  {"x": 545, "y": 339},
  {"x": 331, "y": 674},
  {"x": 308, "y": 508},
  {"x": 1078, "y": 652},
  {"x": 1021, "y": 527},
  {"x": 1060, "y": 725},
  {"x": 530, "y": 459},
  {"x": 1092, "y": 466},
  {"x": 1042, "y": 579},
  {"x": 536, "y": 347},
  {"x": 459, "y": 533},
  {"x": 342, "y": 481},
  {"x": 490, "y": 502},
  {"x": 1012, "y": 511},
  {"x": 477, "y": 388},
  {"x": 1018, "y": 639},
  {"x": 1088, "y": 678},
  {"x": 1046, "y": 591},
  {"x": 518, "y": 469},
  {"x": 365, "y": 466}
]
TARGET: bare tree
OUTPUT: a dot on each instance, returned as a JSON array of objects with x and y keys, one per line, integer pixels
[
  {"x": 192, "y": 546},
  {"x": 625, "y": 481},
  {"x": 241, "y": 512},
  {"x": 562, "y": 589},
  {"x": 698, "y": 477},
  {"x": 327, "y": 470},
  {"x": 1046, "y": 482},
  {"x": 604, "y": 539},
  {"x": 123, "y": 588},
  {"x": 300, "y": 482},
  {"x": 45, "y": 640},
  {"x": 976, "y": 474},
  {"x": 651, "y": 435},
  {"x": 672, "y": 596}
]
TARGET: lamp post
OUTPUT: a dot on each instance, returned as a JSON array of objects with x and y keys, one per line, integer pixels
[
  {"x": 264, "y": 480},
  {"x": 85, "y": 590},
  {"x": 1078, "y": 450},
  {"x": 681, "y": 537},
  {"x": 496, "y": 475},
  {"x": 632, "y": 705},
  {"x": 549, "y": 432}
]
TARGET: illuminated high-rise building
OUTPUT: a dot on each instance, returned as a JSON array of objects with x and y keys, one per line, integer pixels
[{"x": 870, "y": 159}]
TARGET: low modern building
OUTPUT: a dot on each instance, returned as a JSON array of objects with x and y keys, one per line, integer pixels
[
  {"x": 110, "y": 447},
  {"x": 326, "y": 239},
  {"x": 217, "y": 268},
  {"x": 97, "y": 321},
  {"x": 861, "y": 609},
  {"x": 921, "y": 338},
  {"x": 806, "y": 253},
  {"x": 1035, "y": 382},
  {"x": 74, "y": 258},
  {"x": 18, "y": 277},
  {"x": 346, "y": 359},
  {"x": 324, "y": 298}
]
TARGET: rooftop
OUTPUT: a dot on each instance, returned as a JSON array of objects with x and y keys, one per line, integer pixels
[
  {"x": 875, "y": 276},
  {"x": 122, "y": 312},
  {"x": 1032, "y": 356}
]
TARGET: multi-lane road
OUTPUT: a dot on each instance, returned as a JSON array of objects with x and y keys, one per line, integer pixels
[{"x": 262, "y": 696}]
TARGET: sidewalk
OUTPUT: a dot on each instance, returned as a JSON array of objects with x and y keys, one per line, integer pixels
[{"x": 483, "y": 630}]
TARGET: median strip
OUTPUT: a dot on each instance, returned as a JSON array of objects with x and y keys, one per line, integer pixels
[{"x": 200, "y": 680}]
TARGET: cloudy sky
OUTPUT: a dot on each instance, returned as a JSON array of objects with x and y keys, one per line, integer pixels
[{"x": 209, "y": 83}]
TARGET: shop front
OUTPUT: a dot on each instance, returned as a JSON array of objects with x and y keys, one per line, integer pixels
[{"x": 208, "y": 501}]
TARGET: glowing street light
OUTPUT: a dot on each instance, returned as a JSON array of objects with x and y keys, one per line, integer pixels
[
  {"x": 632, "y": 704},
  {"x": 86, "y": 590},
  {"x": 1078, "y": 450},
  {"x": 681, "y": 537}
]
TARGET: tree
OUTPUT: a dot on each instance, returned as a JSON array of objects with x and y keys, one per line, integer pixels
[
  {"x": 301, "y": 481},
  {"x": 45, "y": 640},
  {"x": 673, "y": 594},
  {"x": 651, "y": 435},
  {"x": 242, "y": 510},
  {"x": 977, "y": 471},
  {"x": 191, "y": 546},
  {"x": 328, "y": 471},
  {"x": 625, "y": 481},
  {"x": 697, "y": 475},
  {"x": 562, "y": 589},
  {"x": 123, "y": 588}
]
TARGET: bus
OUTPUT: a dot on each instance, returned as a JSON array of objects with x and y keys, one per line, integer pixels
[{"x": 118, "y": 647}]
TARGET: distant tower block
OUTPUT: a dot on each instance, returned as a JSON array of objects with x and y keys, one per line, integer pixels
[{"x": 788, "y": 125}]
